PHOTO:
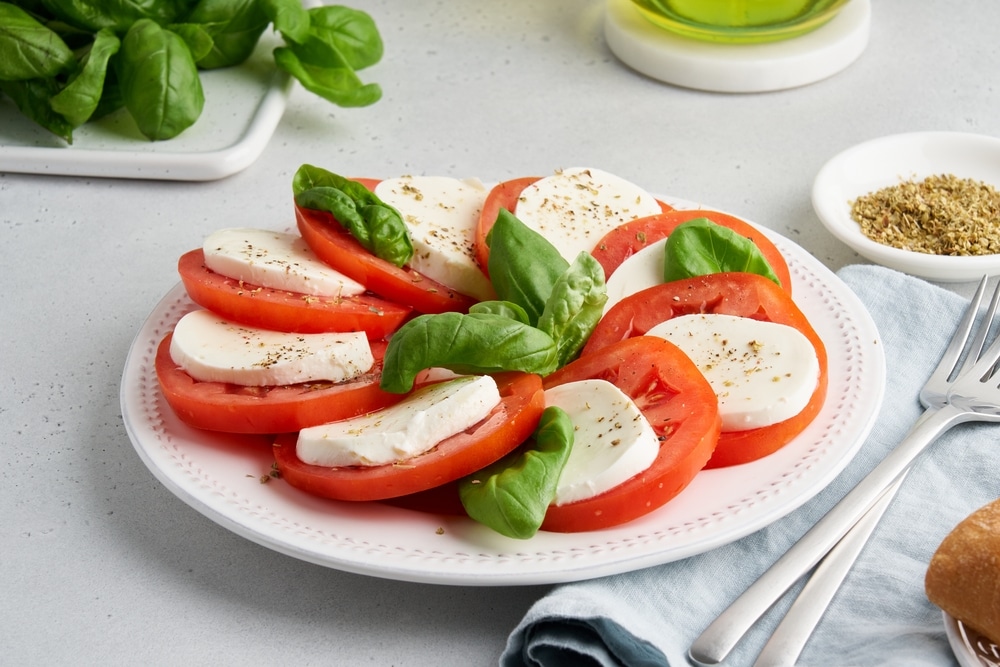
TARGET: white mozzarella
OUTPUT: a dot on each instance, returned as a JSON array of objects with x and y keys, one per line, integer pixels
[
  {"x": 575, "y": 208},
  {"x": 612, "y": 440},
  {"x": 402, "y": 431},
  {"x": 762, "y": 372},
  {"x": 441, "y": 215},
  {"x": 642, "y": 270},
  {"x": 212, "y": 349},
  {"x": 277, "y": 260}
]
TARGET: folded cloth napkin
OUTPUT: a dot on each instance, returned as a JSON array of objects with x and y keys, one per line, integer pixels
[{"x": 881, "y": 615}]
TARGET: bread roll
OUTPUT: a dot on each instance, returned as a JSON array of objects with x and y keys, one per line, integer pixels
[{"x": 963, "y": 577}]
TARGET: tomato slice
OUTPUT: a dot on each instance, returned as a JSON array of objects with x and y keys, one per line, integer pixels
[
  {"x": 505, "y": 195},
  {"x": 220, "y": 406},
  {"x": 740, "y": 294},
  {"x": 521, "y": 403},
  {"x": 682, "y": 409},
  {"x": 280, "y": 310},
  {"x": 622, "y": 242},
  {"x": 334, "y": 245}
]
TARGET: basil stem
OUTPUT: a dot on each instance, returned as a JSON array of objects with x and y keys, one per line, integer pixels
[
  {"x": 700, "y": 247},
  {"x": 512, "y": 495},
  {"x": 478, "y": 343},
  {"x": 378, "y": 227}
]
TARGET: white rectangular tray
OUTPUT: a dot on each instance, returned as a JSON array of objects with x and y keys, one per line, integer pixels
[{"x": 243, "y": 105}]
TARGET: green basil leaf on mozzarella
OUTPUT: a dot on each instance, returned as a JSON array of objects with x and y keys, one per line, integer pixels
[
  {"x": 701, "y": 247},
  {"x": 277, "y": 260},
  {"x": 405, "y": 430},
  {"x": 212, "y": 349},
  {"x": 523, "y": 265},
  {"x": 465, "y": 343},
  {"x": 574, "y": 306},
  {"x": 512, "y": 495},
  {"x": 762, "y": 372}
]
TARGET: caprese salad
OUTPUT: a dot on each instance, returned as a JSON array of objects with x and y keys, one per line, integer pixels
[{"x": 559, "y": 353}]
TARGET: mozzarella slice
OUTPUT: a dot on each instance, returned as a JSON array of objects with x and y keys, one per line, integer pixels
[
  {"x": 642, "y": 270},
  {"x": 612, "y": 440},
  {"x": 441, "y": 215},
  {"x": 212, "y": 349},
  {"x": 762, "y": 372},
  {"x": 407, "y": 429},
  {"x": 274, "y": 259},
  {"x": 575, "y": 208}
]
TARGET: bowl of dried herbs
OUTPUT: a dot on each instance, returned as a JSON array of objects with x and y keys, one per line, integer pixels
[{"x": 924, "y": 203}]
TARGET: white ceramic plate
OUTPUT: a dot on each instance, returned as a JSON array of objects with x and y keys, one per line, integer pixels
[
  {"x": 243, "y": 106},
  {"x": 220, "y": 475},
  {"x": 886, "y": 161},
  {"x": 970, "y": 647}
]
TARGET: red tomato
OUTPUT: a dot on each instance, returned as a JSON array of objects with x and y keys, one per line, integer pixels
[
  {"x": 335, "y": 246},
  {"x": 740, "y": 294},
  {"x": 220, "y": 406},
  {"x": 510, "y": 423},
  {"x": 505, "y": 195},
  {"x": 621, "y": 243},
  {"x": 679, "y": 404},
  {"x": 281, "y": 310}
]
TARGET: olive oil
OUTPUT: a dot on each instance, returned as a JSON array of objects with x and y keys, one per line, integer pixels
[{"x": 739, "y": 21}]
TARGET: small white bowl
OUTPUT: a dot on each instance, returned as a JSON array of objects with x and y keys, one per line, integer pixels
[{"x": 888, "y": 161}]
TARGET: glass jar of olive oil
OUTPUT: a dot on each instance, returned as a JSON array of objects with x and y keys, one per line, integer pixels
[{"x": 739, "y": 21}]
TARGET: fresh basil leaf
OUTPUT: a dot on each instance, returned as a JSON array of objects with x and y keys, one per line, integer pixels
[
  {"x": 512, "y": 495},
  {"x": 350, "y": 31},
  {"x": 478, "y": 343},
  {"x": 159, "y": 81},
  {"x": 32, "y": 98},
  {"x": 197, "y": 38},
  {"x": 523, "y": 265},
  {"x": 503, "y": 308},
  {"x": 235, "y": 27},
  {"x": 574, "y": 306},
  {"x": 115, "y": 15},
  {"x": 308, "y": 176},
  {"x": 320, "y": 71},
  {"x": 289, "y": 17},
  {"x": 79, "y": 99},
  {"x": 701, "y": 247},
  {"x": 378, "y": 227},
  {"x": 28, "y": 49}
]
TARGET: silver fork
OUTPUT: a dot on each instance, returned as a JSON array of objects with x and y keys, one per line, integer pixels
[{"x": 955, "y": 393}]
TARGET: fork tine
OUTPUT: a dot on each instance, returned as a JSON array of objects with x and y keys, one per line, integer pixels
[
  {"x": 979, "y": 342},
  {"x": 953, "y": 354}
]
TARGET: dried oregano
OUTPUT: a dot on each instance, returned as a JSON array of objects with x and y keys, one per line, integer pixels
[{"x": 940, "y": 215}]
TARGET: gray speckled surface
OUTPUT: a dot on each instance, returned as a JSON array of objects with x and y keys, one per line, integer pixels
[{"x": 102, "y": 565}]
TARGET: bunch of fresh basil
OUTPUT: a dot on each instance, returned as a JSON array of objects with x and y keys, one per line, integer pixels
[{"x": 65, "y": 62}]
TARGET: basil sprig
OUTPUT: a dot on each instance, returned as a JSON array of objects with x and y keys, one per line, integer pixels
[
  {"x": 512, "y": 495},
  {"x": 701, "y": 247},
  {"x": 61, "y": 64},
  {"x": 547, "y": 308},
  {"x": 378, "y": 227}
]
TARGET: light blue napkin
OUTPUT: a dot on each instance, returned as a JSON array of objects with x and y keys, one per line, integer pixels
[{"x": 881, "y": 616}]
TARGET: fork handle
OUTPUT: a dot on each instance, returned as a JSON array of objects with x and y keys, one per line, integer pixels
[
  {"x": 719, "y": 638},
  {"x": 792, "y": 634}
]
